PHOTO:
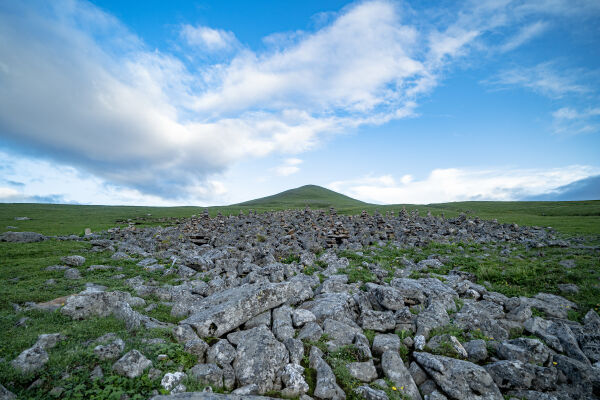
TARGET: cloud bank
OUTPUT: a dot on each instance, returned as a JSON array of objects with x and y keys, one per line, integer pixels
[{"x": 456, "y": 184}]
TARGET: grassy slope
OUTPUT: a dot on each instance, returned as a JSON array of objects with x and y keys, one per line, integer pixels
[
  {"x": 569, "y": 217},
  {"x": 311, "y": 195}
]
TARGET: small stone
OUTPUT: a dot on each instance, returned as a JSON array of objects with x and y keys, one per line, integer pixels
[
  {"x": 300, "y": 317},
  {"x": 73, "y": 261},
  {"x": 56, "y": 391},
  {"x": 97, "y": 373},
  {"x": 385, "y": 342},
  {"x": 72, "y": 273},
  {"x": 171, "y": 380},
  {"x": 132, "y": 364}
]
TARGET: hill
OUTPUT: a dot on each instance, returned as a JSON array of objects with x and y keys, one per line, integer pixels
[{"x": 309, "y": 195}]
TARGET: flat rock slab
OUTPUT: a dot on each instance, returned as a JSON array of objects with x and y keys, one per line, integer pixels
[
  {"x": 224, "y": 311},
  {"x": 21, "y": 237},
  {"x": 459, "y": 379}
]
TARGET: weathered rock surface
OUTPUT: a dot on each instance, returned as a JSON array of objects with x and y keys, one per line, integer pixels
[
  {"x": 459, "y": 379},
  {"x": 132, "y": 364},
  {"x": 226, "y": 310}
]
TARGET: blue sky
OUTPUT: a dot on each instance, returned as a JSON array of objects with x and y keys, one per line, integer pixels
[{"x": 216, "y": 102}]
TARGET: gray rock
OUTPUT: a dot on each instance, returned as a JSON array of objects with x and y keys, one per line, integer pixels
[
  {"x": 476, "y": 350},
  {"x": 568, "y": 288},
  {"x": 282, "y": 323},
  {"x": 73, "y": 261},
  {"x": 531, "y": 395},
  {"x": 311, "y": 331},
  {"x": 417, "y": 373},
  {"x": 419, "y": 342},
  {"x": 97, "y": 373},
  {"x": 30, "y": 360},
  {"x": 98, "y": 304},
  {"x": 385, "y": 342},
  {"x": 445, "y": 343},
  {"x": 260, "y": 319},
  {"x": 110, "y": 351},
  {"x": 119, "y": 255},
  {"x": 300, "y": 317},
  {"x": 552, "y": 305},
  {"x": 340, "y": 333},
  {"x": 49, "y": 340},
  {"x": 221, "y": 353},
  {"x": 369, "y": 393},
  {"x": 172, "y": 380},
  {"x": 184, "y": 333},
  {"x": 296, "y": 349},
  {"x": 131, "y": 364},
  {"x": 293, "y": 380},
  {"x": 363, "y": 371},
  {"x": 338, "y": 306},
  {"x": 388, "y": 297},
  {"x": 380, "y": 321},
  {"x": 224, "y": 311},
  {"x": 435, "y": 395},
  {"x": 524, "y": 349},
  {"x": 208, "y": 396},
  {"x": 434, "y": 316},
  {"x": 246, "y": 390},
  {"x": 260, "y": 357},
  {"x": 22, "y": 237},
  {"x": 518, "y": 375},
  {"x": 197, "y": 347},
  {"x": 72, "y": 273},
  {"x": 410, "y": 289},
  {"x": 459, "y": 379},
  {"x": 326, "y": 387},
  {"x": 394, "y": 369},
  {"x": 589, "y": 338},
  {"x": 207, "y": 374}
]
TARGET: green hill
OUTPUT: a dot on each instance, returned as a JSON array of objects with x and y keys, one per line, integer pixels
[{"x": 309, "y": 195}]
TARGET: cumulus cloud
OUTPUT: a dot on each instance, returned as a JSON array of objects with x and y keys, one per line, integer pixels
[
  {"x": 207, "y": 38},
  {"x": 290, "y": 166},
  {"x": 456, "y": 184},
  {"x": 79, "y": 88}
]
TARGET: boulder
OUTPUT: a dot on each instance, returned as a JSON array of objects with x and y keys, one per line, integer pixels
[
  {"x": 260, "y": 358},
  {"x": 459, "y": 379},
  {"x": 224, "y": 311},
  {"x": 394, "y": 369}
]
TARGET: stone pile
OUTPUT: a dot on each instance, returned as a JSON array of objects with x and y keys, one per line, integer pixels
[{"x": 270, "y": 325}]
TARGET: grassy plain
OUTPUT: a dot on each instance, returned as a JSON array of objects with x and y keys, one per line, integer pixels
[
  {"x": 510, "y": 269},
  {"x": 567, "y": 217}
]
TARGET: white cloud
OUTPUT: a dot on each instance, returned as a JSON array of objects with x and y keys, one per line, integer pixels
[
  {"x": 544, "y": 79},
  {"x": 289, "y": 167},
  {"x": 208, "y": 38},
  {"x": 569, "y": 121},
  {"x": 456, "y": 184},
  {"x": 524, "y": 35}
]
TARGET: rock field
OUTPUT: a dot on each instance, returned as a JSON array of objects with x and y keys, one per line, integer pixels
[{"x": 268, "y": 305}]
